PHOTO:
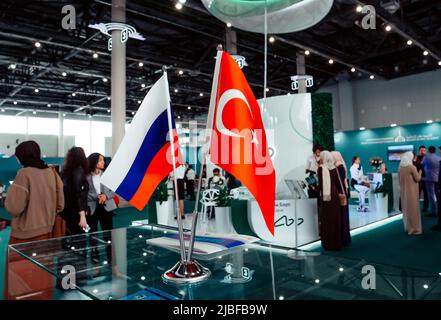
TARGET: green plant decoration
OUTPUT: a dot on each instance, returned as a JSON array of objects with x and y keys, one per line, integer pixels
[
  {"x": 322, "y": 120},
  {"x": 223, "y": 199},
  {"x": 161, "y": 193}
]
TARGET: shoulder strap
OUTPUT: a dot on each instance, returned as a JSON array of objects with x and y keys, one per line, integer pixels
[
  {"x": 56, "y": 186},
  {"x": 339, "y": 179}
]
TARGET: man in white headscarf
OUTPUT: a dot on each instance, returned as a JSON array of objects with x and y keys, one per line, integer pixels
[{"x": 409, "y": 192}]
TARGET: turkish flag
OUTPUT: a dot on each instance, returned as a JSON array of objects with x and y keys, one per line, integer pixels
[{"x": 238, "y": 139}]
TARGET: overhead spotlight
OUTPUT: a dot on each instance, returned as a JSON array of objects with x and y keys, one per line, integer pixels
[
  {"x": 74, "y": 94},
  {"x": 176, "y": 90},
  {"x": 229, "y": 24},
  {"x": 189, "y": 108},
  {"x": 393, "y": 125},
  {"x": 359, "y": 9},
  {"x": 64, "y": 114},
  {"x": 181, "y": 72},
  {"x": 104, "y": 79},
  {"x": 307, "y": 52},
  {"x": 108, "y": 110},
  {"x": 37, "y": 44},
  {"x": 388, "y": 28},
  {"x": 64, "y": 74},
  {"x": 178, "y": 6},
  {"x": 49, "y": 105},
  {"x": 15, "y": 102},
  {"x": 34, "y": 112},
  {"x": 90, "y": 116},
  {"x": 429, "y": 121},
  {"x": 372, "y": 77},
  {"x": 140, "y": 64},
  {"x": 362, "y": 128},
  {"x": 143, "y": 85},
  {"x": 179, "y": 117},
  {"x": 133, "y": 112},
  {"x": 201, "y": 94},
  {"x": 3, "y": 110},
  {"x": 13, "y": 66},
  {"x": 139, "y": 101},
  {"x": 409, "y": 42},
  {"x": 108, "y": 98},
  {"x": 439, "y": 63},
  {"x": 95, "y": 55},
  {"x": 271, "y": 39},
  {"x": 182, "y": 1},
  {"x": 267, "y": 89},
  {"x": 36, "y": 91},
  {"x": 426, "y": 53},
  {"x": 353, "y": 70},
  {"x": 331, "y": 61}
]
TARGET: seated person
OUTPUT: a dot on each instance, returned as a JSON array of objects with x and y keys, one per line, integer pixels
[{"x": 358, "y": 182}]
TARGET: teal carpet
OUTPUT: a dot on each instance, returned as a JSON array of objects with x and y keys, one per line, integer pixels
[{"x": 390, "y": 245}]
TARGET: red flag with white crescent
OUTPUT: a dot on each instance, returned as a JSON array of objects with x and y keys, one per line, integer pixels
[{"x": 238, "y": 139}]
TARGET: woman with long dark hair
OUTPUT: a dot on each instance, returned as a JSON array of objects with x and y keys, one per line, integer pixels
[
  {"x": 76, "y": 189},
  {"x": 100, "y": 200}
]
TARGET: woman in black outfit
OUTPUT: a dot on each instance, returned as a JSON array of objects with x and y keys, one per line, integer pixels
[
  {"x": 76, "y": 189},
  {"x": 343, "y": 188}
]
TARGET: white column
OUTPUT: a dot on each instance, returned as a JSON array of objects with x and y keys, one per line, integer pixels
[
  {"x": 60, "y": 134},
  {"x": 301, "y": 70},
  {"x": 231, "y": 41},
  {"x": 345, "y": 93},
  {"x": 118, "y": 104}
]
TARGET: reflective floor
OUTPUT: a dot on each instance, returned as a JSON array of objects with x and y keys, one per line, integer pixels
[{"x": 119, "y": 263}]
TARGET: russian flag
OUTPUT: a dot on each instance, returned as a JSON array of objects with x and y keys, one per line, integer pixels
[{"x": 144, "y": 158}]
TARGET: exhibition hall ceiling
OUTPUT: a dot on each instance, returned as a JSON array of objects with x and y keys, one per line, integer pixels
[{"x": 45, "y": 68}]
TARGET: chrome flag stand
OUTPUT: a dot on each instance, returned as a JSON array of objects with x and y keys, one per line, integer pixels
[{"x": 186, "y": 270}]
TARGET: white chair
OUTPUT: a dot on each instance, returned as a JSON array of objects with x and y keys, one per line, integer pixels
[{"x": 208, "y": 199}]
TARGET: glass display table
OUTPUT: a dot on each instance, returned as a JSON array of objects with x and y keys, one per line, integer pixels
[{"x": 120, "y": 264}]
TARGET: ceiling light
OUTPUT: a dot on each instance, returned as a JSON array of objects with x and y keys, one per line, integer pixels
[
  {"x": 12, "y": 66},
  {"x": 182, "y": 1},
  {"x": 307, "y": 52},
  {"x": 108, "y": 110},
  {"x": 108, "y": 98},
  {"x": 181, "y": 72},
  {"x": 90, "y": 116},
  {"x": 439, "y": 63},
  {"x": 3, "y": 110},
  {"x": 353, "y": 70},
  {"x": 179, "y": 117},
  {"x": 359, "y": 8},
  {"x": 201, "y": 94},
  {"x": 34, "y": 112},
  {"x": 362, "y": 128},
  {"x": 49, "y": 105},
  {"x": 64, "y": 74},
  {"x": 189, "y": 108},
  {"x": 15, "y": 102},
  {"x": 64, "y": 114},
  {"x": 139, "y": 101},
  {"x": 388, "y": 28},
  {"x": 331, "y": 61},
  {"x": 178, "y": 6},
  {"x": 37, "y": 44},
  {"x": 393, "y": 125},
  {"x": 36, "y": 91},
  {"x": 104, "y": 79},
  {"x": 176, "y": 90},
  {"x": 267, "y": 89},
  {"x": 74, "y": 94},
  {"x": 133, "y": 112},
  {"x": 229, "y": 24},
  {"x": 372, "y": 77},
  {"x": 95, "y": 55},
  {"x": 140, "y": 64},
  {"x": 143, "y": 85},
  {"x": 272, "y": 39},
  {"x": 426, "y": 53},
  {"x": 409, "y": 42},
  {"x": 429, "y": 121}
]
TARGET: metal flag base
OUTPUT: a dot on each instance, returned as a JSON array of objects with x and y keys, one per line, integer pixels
[{"x": 186, "y": 272}]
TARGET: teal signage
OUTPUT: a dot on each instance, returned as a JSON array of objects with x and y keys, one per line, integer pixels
[{"x": 376, "y": 142}]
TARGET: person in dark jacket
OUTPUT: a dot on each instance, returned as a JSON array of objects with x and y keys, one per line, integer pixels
[{"x": 76, "y": 189}]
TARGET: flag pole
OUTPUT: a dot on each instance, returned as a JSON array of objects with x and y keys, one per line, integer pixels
[
  {"x": 175, "y": 181},
  {"x": 184, "y": 271},
  {"x": 207, "y": 142}
]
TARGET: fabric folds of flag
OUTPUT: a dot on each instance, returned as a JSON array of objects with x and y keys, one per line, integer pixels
[
  {"x": 144, "y": 158},
  {"x": 238, "y": 142}
]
